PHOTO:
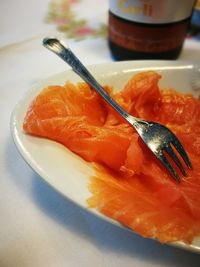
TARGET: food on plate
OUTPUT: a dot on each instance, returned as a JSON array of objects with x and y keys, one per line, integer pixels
[{"x": 130, "y": 185}]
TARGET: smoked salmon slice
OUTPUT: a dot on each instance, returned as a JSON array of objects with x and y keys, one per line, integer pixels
[{"x": 130, "y": 185}]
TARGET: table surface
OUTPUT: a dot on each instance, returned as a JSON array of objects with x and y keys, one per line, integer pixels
[{"x": 39, "y": 227}]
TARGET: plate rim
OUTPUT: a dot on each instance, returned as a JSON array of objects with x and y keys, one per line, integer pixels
[{"x": 35, "y": 89}]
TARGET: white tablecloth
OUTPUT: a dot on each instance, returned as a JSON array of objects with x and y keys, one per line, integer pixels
[{"x": 38, "y": 226}]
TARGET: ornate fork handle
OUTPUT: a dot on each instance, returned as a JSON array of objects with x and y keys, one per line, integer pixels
[{"x": 68, "y": 56}]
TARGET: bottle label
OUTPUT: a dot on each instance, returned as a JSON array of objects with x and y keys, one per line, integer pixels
[
  {"x": 133, "y": 36},
  {"x": 152, "y": 11}
]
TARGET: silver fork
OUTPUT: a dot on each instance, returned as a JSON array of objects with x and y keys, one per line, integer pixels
[{"x": 159, "y": 139}]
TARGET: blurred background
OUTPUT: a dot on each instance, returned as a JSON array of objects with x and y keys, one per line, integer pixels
[{"x": 76, "y": 20}]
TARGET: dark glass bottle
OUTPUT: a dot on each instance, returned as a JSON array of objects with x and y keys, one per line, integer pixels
[{"x": 148, "y": 29}]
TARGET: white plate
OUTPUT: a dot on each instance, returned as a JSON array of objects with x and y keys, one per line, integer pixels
[{"x": 63, "y": 170}]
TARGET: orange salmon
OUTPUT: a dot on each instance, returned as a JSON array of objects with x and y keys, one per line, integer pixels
[{"x": 130, "y": 185}]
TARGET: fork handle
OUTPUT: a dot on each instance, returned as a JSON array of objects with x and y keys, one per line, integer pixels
[{"x": 68, "y": 56}]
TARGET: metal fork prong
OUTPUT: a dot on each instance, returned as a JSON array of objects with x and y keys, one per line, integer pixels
[
  {"x": 173, "y": 155},
  {"x": 176, "y": 143},
  {"x": 168, "y": 166}
]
